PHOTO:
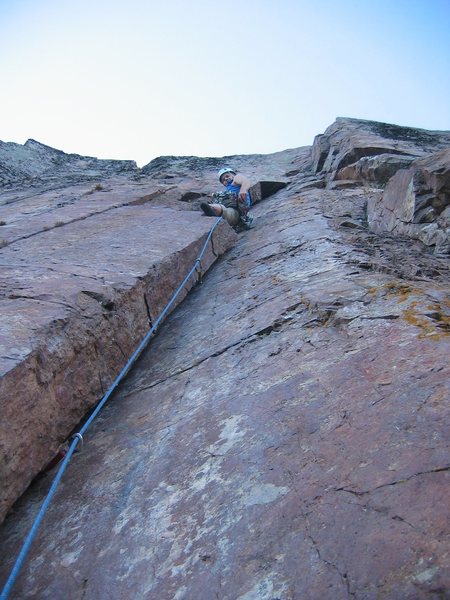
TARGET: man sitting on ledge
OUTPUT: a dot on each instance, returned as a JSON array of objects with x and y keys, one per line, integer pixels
[{"x": 232, "y": 205}]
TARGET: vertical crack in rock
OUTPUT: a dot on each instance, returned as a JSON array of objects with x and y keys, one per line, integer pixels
[
  {"x": 343, "y": 576},
  {"x": 147, "y": 307},
  {"x": 213, "y": 250}
]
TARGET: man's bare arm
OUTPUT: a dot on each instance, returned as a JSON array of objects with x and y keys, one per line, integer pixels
[{"x": 244, "y": 183}]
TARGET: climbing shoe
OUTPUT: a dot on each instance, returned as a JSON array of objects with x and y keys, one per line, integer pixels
[
  {"x": 206, "y": 208},
  {"x": 246, "y": 221}
]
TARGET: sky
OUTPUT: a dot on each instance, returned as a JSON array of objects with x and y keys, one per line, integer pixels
[{"x": 138, "y": 79}]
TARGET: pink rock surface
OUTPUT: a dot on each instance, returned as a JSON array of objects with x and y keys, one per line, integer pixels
[
  {"x": 347, "y": 141},
  {"x": 284, "y": 436},
  {"x": 76, "y": 302},
  {"x": 416, "y": 203}
]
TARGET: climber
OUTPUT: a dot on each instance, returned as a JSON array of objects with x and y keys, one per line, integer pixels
[{"x": 232, "y": 205}]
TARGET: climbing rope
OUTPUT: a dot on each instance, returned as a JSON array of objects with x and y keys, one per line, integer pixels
[{"x": 78, "y": 437}]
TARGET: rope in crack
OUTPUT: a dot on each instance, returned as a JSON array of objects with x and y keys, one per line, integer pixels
[{"x": 78, "y": 437}]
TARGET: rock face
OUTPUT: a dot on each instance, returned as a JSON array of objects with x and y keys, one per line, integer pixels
[
  {"x": 285, "y": 434},
  {"x": 348, "y": 141},
  {"x": 86, "y": 270},
  {"x": 35, "y": 163},
  {"x": 81, "y": 285},
  {"x": 417, "y": 195},
  {"x": 416, "y": 203},
  {"x": 75, "y": 306}
]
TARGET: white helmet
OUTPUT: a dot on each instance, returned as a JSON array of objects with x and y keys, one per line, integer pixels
[{"x": 225, "y": 170}]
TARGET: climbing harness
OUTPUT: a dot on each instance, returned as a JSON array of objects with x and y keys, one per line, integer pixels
[
  {"x": 228, "y": 199},
  {"x": 78, "y": 437},
  {"x": 231, "y": 199}
]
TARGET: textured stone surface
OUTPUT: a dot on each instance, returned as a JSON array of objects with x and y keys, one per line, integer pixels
[
  {"x": 76, "y": 300},
  {"x": 378, "y": 169},
  {"x": 91, "y": 251},
  {"x": 35, "y": 163},
  {"x": 347, "y": 141},
  {"x": 412, "y": 164},
  {"x": 286, "y": 433},
  {"x": 415, "y": 202}
]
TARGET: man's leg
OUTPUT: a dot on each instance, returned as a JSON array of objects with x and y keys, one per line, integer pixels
[
  {"x": 231, "y": 215},
  {"x": 211, "y": 210}
]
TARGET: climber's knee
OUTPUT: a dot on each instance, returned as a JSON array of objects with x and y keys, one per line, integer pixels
[{"x": 231, "y": 215}]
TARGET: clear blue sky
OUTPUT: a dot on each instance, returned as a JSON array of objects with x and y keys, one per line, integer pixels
[{"x": 138, "y": 79}]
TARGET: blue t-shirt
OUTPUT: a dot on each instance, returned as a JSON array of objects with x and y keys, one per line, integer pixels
[{"x": 234, "y": 189}]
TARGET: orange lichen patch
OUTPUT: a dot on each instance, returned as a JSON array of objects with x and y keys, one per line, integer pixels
[
  {"x": 276, "y": 279},
  {"x": 433, "y": 325},
  {"x": 395, "y": 288},
  {"x": 372, "y": 291},
  {"x": 401, "y": 290}
]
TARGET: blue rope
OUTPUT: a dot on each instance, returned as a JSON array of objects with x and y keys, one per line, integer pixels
[{"x": 79, "y": 436}]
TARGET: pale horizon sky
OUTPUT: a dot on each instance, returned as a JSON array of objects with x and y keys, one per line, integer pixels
[{"x": 141, "y": 79}]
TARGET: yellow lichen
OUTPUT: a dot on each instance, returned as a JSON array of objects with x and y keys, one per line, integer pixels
[{"x": 435, "y": 325}]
